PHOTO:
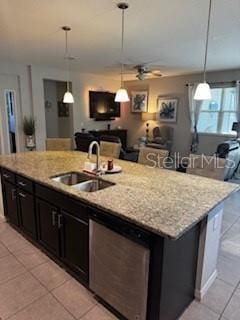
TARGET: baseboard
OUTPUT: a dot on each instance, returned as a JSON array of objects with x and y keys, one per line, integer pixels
[{"x": 199, "y": 294}]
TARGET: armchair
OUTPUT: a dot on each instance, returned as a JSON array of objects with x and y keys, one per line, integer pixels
[{"x": 162, "y": 138}]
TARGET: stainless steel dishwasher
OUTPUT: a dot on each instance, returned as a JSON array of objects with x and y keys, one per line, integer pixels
[{"x": 119, "y": 267}]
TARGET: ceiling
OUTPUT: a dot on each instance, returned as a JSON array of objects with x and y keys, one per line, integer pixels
[{"x": 169, "y": 32}]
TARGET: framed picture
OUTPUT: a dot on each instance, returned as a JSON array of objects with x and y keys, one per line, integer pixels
[
  {"x": 139, "y": 101},
  {"x": 63, "y": 110},
  {"x": 167, "y": 109}
]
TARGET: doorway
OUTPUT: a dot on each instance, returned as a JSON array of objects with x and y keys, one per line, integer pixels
[
  {"x": 9, "y": 113},
  {"x": 58, "y": 115},
  {"x": 11, "y": 121}
]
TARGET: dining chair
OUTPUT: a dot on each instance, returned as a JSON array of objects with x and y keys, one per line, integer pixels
[
  {"x": 207, "y": 166},
  {"x": 154, "y": 158},
  {"x": 58, "y": 144}
]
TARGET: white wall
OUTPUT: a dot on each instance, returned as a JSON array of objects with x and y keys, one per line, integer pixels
[
  {"x": 51, "y": 115},
  {"x": 81, "y": 84},
  {"x": 175, "y": 87}
]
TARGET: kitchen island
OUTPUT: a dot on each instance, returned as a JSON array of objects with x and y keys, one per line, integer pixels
[{"x": 158, "y": 218}]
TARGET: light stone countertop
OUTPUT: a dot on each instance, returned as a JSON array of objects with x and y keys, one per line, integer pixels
[{"x": 165, "y": 202}]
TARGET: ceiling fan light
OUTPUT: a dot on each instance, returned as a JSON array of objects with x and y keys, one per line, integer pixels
[
  {"x": 68, "y": 97},
  {"x": 121, "y": 95},
  {"x": 203, "y": 92}
]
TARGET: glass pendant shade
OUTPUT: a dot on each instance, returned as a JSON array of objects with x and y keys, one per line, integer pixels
[
  {"x": 68, "y": 97},
  {"x": 203, "y": 92},
  {"x": 121, "y": 95}
]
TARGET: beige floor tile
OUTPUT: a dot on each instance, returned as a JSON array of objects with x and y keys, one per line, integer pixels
[
  {"x": 4, "y": 226},
  {"x": 50, "y": 275},
  {"x": 75, "y": 298},
  {"x": 229, "y": 270},
  {"x": 3, "y": 251},
  {"x": 226, "y": 225},
  {"x": 10, "y": 268},
  {"x": 197, "y": 311},
  {"x": 218, "y": 296},
  {"x": 18, "y": 293},
  {"x": 45, "y": 308},
  {"x": 31, "y": 257},
  {"x": 13, "y": 240},
  {"x": 230, "y": 215},
  {"x": 232, "y": 312},
  {"x": 99, "y": 313}
]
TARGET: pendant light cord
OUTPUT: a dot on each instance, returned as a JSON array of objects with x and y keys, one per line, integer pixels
[
  {"x": 67, "y": 57},
  {"x": 207, "y": 40},
  {"x": 122, "y": 48}
]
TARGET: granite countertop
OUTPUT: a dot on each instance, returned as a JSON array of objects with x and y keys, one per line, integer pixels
[{"x": 165, "y": 202}]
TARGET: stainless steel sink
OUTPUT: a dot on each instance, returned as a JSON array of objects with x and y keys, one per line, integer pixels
[
  {"x": 93, "y": 185},
  {"x": 71, "y": 178},
  {"x": 82, "y": 181}
]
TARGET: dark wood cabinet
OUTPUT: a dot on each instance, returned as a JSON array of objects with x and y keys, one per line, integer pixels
[
  {"x": 48, "y": 233},
  {"x": 63, "y": 229},
  {"x": 10, "y": 203},
  {"x": 19, "y": 207},
  {"x": 26, "y": 211},
  {"x": 74, "y": 243}
]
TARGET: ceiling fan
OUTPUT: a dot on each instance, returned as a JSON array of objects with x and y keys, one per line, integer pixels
[{"x": 143, "y": 71}]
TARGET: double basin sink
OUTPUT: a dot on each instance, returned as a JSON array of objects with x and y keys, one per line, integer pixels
[{"x": 82, "y": 181}]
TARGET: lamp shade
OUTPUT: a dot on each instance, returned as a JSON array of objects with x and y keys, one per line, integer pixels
[
  {"x": 146, "y": 116},
  {"x": 121, "y": 95},
  {"x": 68, "y": 97},
  {"x": 203, "y": 92}
]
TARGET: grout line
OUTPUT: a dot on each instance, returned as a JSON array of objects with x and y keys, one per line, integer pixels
[
  {"x": 90, "y": 311},
  {"x": 94, "y": 305},
  {"x": 49, "y": 290},
  {"x": 6, "y": 281},
  {"x": 25, "y": 307},
  {"x": 59, "y": 302},
  {"x": 221, "y": 315}
]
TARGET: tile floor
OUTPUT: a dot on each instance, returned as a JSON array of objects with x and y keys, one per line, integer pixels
[{"x": 32, "y": 287}]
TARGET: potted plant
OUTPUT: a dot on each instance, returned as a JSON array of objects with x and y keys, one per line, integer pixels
[{"x": 29, "y": 131}]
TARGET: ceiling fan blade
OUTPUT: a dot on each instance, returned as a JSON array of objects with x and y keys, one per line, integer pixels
[{"x": 156, "y": 73}]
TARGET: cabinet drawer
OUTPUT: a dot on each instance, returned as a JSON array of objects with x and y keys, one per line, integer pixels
[
  {"x": 25, "y": 183},
  {"x": 8, "y": 175}
]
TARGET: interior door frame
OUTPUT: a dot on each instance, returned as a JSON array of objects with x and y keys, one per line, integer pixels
[{"x": 4, "y": 135}]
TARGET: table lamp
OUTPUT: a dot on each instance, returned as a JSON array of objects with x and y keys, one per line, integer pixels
[{"x": 147, "y": 116}]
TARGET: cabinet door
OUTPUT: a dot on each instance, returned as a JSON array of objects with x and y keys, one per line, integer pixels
[
  {"x": 48, "y": 234},
  {"x": 27, "y": 213},
  {"x": 10, "y": 203},
  {"x": 74, "y": 240}
]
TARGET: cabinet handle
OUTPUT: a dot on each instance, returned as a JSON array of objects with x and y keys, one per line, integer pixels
[
  {"x": 6, "y": 176},
  {"x": 60, "y": 221},
  {"x": 22, "y": 195},
  {"x": 23, "y": 184},
  {"x": 54, "y": 214},
  {"x": 13, "y": 194}
]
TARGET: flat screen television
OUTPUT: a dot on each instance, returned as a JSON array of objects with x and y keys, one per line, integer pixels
[{"x": 102, "y": 106}]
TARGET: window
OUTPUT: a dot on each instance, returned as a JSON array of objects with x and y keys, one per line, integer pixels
[{"x": 218, "y": 115}]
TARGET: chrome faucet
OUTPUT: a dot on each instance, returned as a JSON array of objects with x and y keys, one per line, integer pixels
[{"x": 92, "y": 144}]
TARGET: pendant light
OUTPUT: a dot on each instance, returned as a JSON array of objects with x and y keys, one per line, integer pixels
[
  {"x": 122, "y": 95},
  {"x": 203, "y": 91},
  {"x": 68, "y": 97}
]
